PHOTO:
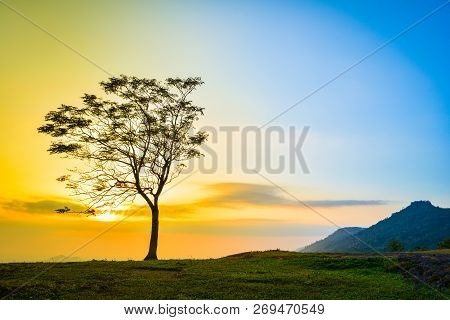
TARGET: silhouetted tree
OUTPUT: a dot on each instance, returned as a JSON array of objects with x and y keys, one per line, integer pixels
[
  {"x": 394, "y": 246},
  {"x": 132, "y": 145},
  {"x": 444, "y": 244}
]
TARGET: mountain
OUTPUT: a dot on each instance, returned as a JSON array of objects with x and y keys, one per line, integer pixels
[
  {"x": 419, "y": 224},
  {"x": 329, "y": 243}
]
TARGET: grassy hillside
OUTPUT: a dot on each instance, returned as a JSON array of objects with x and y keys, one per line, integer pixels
[{"x": 258, "y": 275}]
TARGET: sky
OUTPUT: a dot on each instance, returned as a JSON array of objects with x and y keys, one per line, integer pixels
[{"x": 378, "y": 135}]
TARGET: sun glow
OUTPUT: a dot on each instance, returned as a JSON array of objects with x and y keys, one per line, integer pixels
[{"x": 107, "y": 216}]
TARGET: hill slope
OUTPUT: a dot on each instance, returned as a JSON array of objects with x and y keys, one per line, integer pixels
[
  {"x": 330, "y": 243},
  {"x": 419, "y": 224}
]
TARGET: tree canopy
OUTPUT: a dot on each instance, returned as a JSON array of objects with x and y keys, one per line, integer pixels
[
  {"x": 134, "y": 143},
  {"x": 394, "y": 246}
]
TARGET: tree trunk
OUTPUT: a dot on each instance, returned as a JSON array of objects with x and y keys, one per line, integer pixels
[{"x": 151, "y": 255}]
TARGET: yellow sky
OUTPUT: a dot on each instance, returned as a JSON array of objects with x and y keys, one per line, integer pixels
[
  {"x": 208, "y": 226},
  {"x": 207, "y": 215},
  {"x": 193, "y": 225}
]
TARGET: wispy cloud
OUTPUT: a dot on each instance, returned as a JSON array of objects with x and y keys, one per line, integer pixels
[
  {"x": 238, "y": 194},
  {"x": 39, "y": 206},
  {"x": 232, "y": 195},
  {"x": 345, "y": 203}
]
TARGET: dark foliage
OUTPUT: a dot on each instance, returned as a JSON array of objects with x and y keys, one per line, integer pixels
[
  {"x": 444, "y": 244},
  {"x": 394, "y": 246}
]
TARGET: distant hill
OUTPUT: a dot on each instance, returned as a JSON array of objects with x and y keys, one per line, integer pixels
[
  {"x": 329, "y": 243},
  {"x": 419, "y": 224}
]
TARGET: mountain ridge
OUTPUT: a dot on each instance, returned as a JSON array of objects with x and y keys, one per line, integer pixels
[{"x": 418, "y": 225}]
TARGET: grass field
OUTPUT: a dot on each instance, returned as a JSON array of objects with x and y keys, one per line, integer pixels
[{"x": 257, "y": 275}]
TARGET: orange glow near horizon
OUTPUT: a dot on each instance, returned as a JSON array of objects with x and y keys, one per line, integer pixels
[{"x": 40, "y": 236}]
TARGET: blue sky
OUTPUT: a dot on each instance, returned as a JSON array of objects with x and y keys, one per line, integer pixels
[{"x": 381, "y": 130}]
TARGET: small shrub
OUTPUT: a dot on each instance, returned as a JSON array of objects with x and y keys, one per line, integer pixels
[
  {"x": 394, "y": 246},
  {"x": 444, "y": 244}
]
